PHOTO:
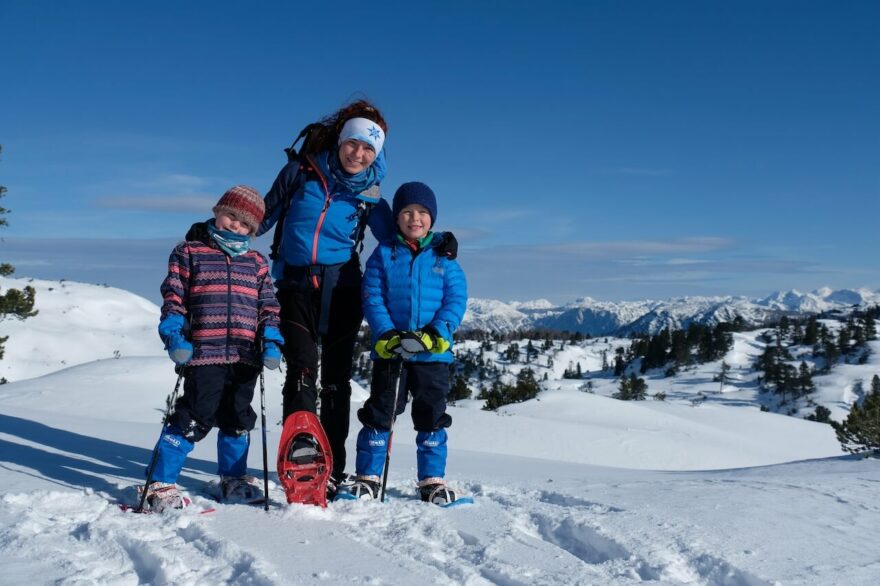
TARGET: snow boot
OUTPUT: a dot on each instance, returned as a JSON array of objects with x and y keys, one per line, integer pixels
[
  {"x": 240, "y": 489},
  {"x": 365, "y": 487},
  {"x": 162, "y": 496},
  {"x": 436, "y": 491},
  {"x": 337, "y": 484}
]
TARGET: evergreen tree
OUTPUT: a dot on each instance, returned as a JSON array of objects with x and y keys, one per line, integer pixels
[
  {"x": 638, "y": 388},
  {"x": 679, "y": 350},
  {"x": 870, "y": 326},
  {"x": 17, "y": 303},
  {"x": 631, "y": 388},
  {"x": 811, "y": 331},
  {"x": 459, "y": 390},
  {"x": 622, "y": 389},
  {"x": 805, "y": 379},
  {"x": 860, "y": 431},
  {"x": 722, "y": 376},
  {"x": 843, "y": 339}
]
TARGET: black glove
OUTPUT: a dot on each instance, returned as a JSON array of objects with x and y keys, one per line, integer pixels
[{"x": 449, "y": 246}]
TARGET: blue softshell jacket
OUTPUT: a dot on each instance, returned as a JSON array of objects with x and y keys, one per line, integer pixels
[{"x": 320, "y": 227}]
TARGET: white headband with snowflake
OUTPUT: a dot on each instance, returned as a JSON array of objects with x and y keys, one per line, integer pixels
[{"x": 363, "y": 130}]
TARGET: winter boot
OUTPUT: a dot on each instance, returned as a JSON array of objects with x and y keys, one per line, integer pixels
[
  {"x": 240, "y": 489},
  {"x": 436, "y": 491},
  {"x": 338, "y": 483},
  {"x": 162, "y": 496},
  {"x": 365, "y": 487}
]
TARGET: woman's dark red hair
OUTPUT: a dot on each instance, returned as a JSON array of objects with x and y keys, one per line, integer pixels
[{"x": 334, "y": 122}]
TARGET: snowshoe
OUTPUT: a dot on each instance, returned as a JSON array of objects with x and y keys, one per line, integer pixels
[{"x": 304, "y": 459}]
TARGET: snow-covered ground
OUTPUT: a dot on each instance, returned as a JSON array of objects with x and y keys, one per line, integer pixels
[{"x": 571, "y": 488}]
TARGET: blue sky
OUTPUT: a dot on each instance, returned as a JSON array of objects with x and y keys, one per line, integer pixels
[{"x": 618, "y": 150}]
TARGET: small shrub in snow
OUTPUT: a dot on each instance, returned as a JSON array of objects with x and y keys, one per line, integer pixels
[{"x": 822, "y": 415}]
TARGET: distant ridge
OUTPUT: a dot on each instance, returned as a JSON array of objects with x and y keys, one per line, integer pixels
[{"x": 600, "y": 318}]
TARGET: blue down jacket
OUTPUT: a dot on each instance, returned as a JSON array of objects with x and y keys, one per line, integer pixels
[{"x": 408, "y": 290}]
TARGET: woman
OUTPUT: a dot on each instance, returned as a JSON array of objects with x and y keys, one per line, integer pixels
[{"x": 332, "y": 192}]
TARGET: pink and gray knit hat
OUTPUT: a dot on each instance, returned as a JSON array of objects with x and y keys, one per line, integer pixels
[{"x": 246, "y": 203}]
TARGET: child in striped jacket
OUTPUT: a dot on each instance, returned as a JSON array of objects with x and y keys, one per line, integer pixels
[{"x": 219, "y": 322}]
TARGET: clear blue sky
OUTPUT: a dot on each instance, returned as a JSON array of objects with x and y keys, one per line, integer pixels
[{"x": 619, "y": 150}]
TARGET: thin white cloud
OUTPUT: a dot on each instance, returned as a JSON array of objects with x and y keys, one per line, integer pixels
[
  {"x": 640, "y": 248},
  {"x": 646, "y": 171},
  {"x": 180, "y": 203}
]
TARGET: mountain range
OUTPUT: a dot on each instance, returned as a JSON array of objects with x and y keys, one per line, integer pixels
[{"x": 600, "y": 318}]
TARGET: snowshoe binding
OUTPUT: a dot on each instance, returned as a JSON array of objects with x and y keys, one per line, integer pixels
[
  {"x": 240, "y": 490},
  {"x": 162, "y": 496},
  {"x": 364, "y": 488},
  {"x": 304, "y": 459},
  {"x": 436, "y": 491}
]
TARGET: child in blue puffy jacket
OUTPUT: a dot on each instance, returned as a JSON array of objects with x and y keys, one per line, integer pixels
[{"x": 414, "y": 298}]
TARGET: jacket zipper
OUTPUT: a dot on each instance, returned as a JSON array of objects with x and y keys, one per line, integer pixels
[
  {"x": 327, "y": 199},
  {"x": 228, "y": 305}
]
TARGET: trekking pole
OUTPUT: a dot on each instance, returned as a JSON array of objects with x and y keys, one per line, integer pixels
[
  {"x": 265, "y": 453},
  {"x": 400, "y": 385},
  {"x": 172, "y": 398}
]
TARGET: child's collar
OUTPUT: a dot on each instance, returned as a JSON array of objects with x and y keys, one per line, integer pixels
[{"x": 419, "y": 244}]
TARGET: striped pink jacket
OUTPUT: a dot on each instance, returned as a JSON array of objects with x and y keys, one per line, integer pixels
[{"x": 226, "y": 300}]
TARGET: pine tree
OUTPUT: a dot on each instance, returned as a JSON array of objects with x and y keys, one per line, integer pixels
[
  {"x": 17, "y": 303},
  {"x": 860, "y": 432},
  {"x": 459, "y": 390},
  {"x": 805, "y": 378},
  {"x": 870, "y": 326},
  {"x": 811, "y": 331}
]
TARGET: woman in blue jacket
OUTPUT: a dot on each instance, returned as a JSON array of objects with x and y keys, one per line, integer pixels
[
  {"x": 327, "y": 196},
  {"x": 414, "y": 297}
]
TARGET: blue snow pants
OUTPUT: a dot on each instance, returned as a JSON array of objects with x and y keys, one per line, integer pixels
[
  {"x": 428, "y": 383},
  {"x": 215, "y": 395}
]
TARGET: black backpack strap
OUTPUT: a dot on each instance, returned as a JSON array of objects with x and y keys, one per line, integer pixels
[
  {"x": 363, "y": 212},
  {"x": 297, "y": 183},
  {"x": 308, "y": 133}
]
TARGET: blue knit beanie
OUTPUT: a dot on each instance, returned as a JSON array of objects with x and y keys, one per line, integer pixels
[{"x": 418, "y": 193}]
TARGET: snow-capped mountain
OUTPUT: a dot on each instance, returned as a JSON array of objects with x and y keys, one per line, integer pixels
[{"x": 597, "y": 318}]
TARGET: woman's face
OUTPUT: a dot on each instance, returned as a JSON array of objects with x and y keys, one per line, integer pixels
[{"x": 355, "y": 156}]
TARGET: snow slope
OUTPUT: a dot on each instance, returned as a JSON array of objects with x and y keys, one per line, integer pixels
[{"x": 572, "y": 488}]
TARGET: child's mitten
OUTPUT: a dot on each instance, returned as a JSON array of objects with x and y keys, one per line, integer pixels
[
  {"x": 388, "y": 344},
  {"x": 171, "y": 332},
  {"x": 272, "y": 342},
  {"x": 439, "y": 344}
]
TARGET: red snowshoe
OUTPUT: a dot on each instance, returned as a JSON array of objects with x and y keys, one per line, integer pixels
[{"x": 304, "y": 459}]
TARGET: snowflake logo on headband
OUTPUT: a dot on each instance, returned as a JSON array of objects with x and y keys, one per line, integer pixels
[{"x": 374, "y": 132}]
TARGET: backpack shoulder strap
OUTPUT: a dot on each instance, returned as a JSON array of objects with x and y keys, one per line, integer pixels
[{"x": 295, "y": 186}]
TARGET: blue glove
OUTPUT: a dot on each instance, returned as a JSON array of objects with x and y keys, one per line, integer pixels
[
  {"x": 272, "y": 341},
  {"x": 171, "y": 331}
]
